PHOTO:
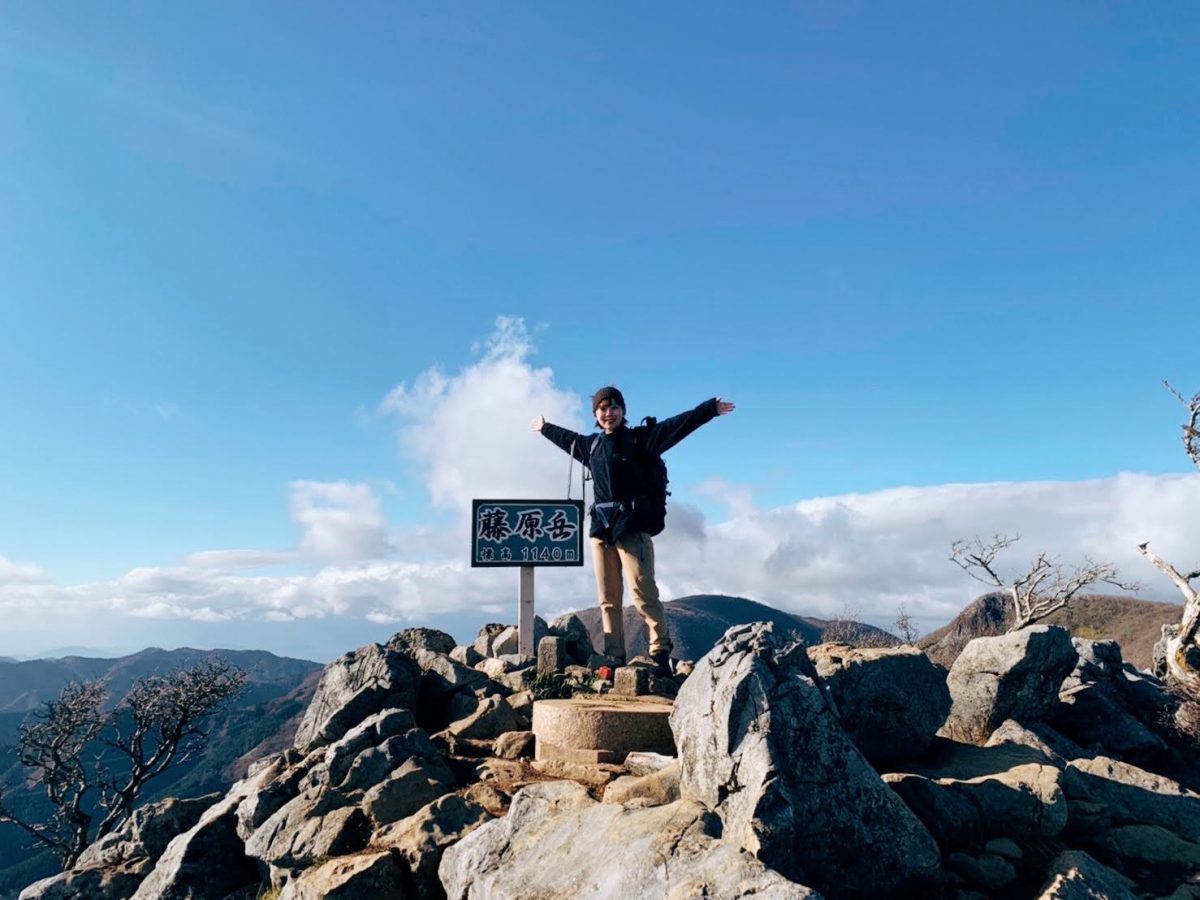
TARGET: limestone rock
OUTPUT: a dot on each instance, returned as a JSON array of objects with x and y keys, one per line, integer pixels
[
  {"x": 315, "y": 824},
  {"x": 986, "y": 871},
  {"x": 186, "y": 869},
  {"x": 282, "y": 786},
  {"x": 1153, "y": 848},
  {"x": 892, "y": 700},
  {"x": 508, "y": 640},
  {"x": 340, "y": 755},
  {"x": 558, "y": 842},
  {"x": 492, "y": 718},
  {"x": 415, "y": 783},
  {"x": 551, "y": 656},
  {"x": 515, "y": 745},
  {"x": 487, "y": 637},
  {"x": 1025, "y": 802},
  {"x": 354, "y": 687},
  {"x": 1132, "y": 796},
  {"x": 575, "y": 636},
  {"x": 1076, "y": 876},
  {"x": 760, "y": 744},
  {"x": 411, "y": 639},
  {"x": 465, "y": 655},
  {"x": 493, "y": 667},
  {"x": 1008, "y": 676},
  {"x": 1098, "y": 706},
  {"x": 374, "y": 764},
  {"x": 655, "y": 789},
  {"x": 442, "y": 680},
  {"x": 1054, "y": 748},
  {"x": 83, "y": 884},
  {"x": 641, "y": 763},
  {"x": 144, "y": 836},
  {"x": 422, "y": 838},
  {"x": 373, "y": 875}
]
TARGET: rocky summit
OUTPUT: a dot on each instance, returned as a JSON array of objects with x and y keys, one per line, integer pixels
[{"x": 1037, "y": 766}]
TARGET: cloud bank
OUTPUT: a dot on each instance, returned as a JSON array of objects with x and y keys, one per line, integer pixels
[{"x": 467, "y": 435}]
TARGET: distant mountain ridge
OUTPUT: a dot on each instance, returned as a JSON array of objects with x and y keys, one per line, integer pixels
[
  {"x": 698, "y": 621},
  {"x": 260, "y": 721},
  {"x": 1134, "y": 624},
  {"x": 25, "y": 685}
]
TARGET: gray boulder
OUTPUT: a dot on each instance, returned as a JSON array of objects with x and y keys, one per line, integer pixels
[
  {"x": 1008, "y": 676},
  {"x": 83, "y": 884},
  {"x": 1128, "y": 795},
  {"x": 373, "y": 875},
  {"x": 760, "y": 744},
  {"x": 508, "y": 641},
  {"x": 653, "y": 789},
  {"x": 411, "y": 639},
  {"x": 186, "y": 869},
  {"x": 415, "y": 783},
  {"x": 1053, "y": 747},
  {"x": 1104, "y": 705},
  {"x": 1076, "y": 876},
  {"x": 558, "y": 842},
  {"x": 487, "y": 638},
  {"x": 419, "y": 840},
  {"x": 316, "y": 824},
  {"x": 443, "y": 681},
  {"x": 491, "y": 719},
  {"x": 340, "y": 756},
  {"x": 892, "y": 700},
  {"x": 575, "y": 636},
  {"x": 354, "y": 687},
  {"x": 115, "y": 865},
  {"x": 1025, "y": 802},
  {"x": 145, "y": 834},
  {"x": 466, "y": 655}
]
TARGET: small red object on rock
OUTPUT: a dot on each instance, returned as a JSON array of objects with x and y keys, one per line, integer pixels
[{"x": 605, "y": 672}]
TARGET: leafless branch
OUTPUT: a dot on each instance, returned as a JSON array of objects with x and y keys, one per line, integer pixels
[
  {"x": 904, "y": 625},
  {"x": 1045, "y": 587},
  {"x": 1191, "y": 428},
  {"x": 158, "y": 725}
]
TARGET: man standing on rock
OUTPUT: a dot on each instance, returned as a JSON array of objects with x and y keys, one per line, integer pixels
[{"x": 628, "y": 489}]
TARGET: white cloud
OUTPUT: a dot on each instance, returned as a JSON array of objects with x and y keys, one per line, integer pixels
[
  {"x": 872, "y": 551},
  {"x": 341, "y": 521},
  {"x": 13, "y": 573},
  {"x": 226, "y": 560},
  {"x": 469, "y": 433}
]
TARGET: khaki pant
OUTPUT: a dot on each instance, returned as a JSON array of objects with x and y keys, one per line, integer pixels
[{"x": 633, "y": 554}]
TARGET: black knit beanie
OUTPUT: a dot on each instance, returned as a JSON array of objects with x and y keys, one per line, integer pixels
[{"x": 607, "y": 393}]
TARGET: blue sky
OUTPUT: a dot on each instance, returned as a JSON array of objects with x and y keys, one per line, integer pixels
[{"x": 919, "y": 245}]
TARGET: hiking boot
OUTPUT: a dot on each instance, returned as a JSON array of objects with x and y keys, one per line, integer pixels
[{"x": 662, "y": 663}]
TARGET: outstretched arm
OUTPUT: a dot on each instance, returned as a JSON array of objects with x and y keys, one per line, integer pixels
[
  {"x": 664, "y": 435},
  {"x": 568, "y": 441}
]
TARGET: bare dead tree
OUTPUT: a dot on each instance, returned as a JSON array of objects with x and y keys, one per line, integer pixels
[
  {"x": 157, "y": 726},
  {"x": 1046, "y": 587},
  {"x": 1191, "y": 428},
  {"x": 52, "y": 746},
  {"x": 904, "y": 625},
  {"x": 1179, "y": 639}
]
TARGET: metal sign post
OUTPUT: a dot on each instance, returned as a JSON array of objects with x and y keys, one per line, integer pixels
[
  {"x": 526, "y": 533},
  {"x": 525, "y": 612}
]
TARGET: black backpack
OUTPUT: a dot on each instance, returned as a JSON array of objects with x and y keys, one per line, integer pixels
[{"x": 650, "y": 509}]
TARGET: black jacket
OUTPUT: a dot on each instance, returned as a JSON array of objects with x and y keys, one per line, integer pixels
[{"x": 617, "y": 465}]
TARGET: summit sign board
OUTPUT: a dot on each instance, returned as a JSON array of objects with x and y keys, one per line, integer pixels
[{"x": 527, "y": 533}]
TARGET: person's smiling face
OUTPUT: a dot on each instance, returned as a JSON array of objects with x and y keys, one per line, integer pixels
[{"x": 609, "y": 416}]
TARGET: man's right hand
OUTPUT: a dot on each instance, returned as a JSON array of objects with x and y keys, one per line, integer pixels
[{"x": 536, "y": 424}]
